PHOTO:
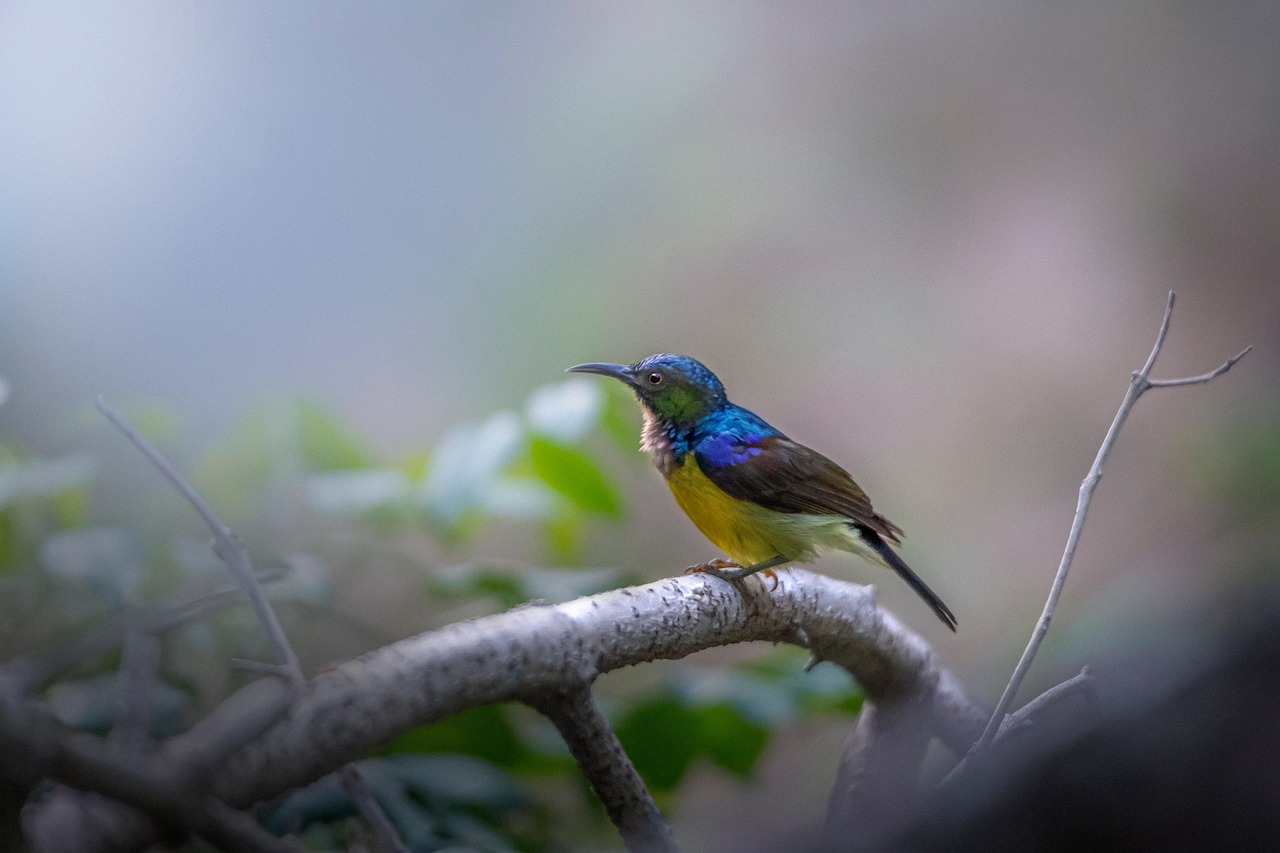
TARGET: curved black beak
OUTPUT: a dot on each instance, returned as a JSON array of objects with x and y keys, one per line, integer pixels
[{"x": 617, "y": 371}]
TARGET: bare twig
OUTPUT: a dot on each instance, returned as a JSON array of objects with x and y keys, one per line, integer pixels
[
  {"x": 1080, "y": 684},
  {"x": 232, "y": 551},
  {"x": 226, "y": 544},
  {"x": 613, "y": 777},
  {"x": 385, "y": 838},
  {"x": 1139, "y": 383},
  {"x": 37, "y": 670},
  {"x": 132, "y": 729}
]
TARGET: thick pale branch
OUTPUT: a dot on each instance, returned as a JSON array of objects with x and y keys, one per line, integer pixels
[
  {"x": 353, "y": 709},
  {"x": 546, "y": 650}
]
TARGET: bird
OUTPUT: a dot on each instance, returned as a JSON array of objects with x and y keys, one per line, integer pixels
[{"x": 765, "y": 500}]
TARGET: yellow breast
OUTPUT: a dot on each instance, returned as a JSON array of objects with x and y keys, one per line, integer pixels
[
  {"x": 746, "y": 532},
  {"x": 749, "y": 533}
]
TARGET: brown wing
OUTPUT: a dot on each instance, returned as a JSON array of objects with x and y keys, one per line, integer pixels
[{"x": 779, "y": 474}]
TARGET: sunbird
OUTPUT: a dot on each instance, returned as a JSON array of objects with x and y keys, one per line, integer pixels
[{"x": 765, "y": 500}]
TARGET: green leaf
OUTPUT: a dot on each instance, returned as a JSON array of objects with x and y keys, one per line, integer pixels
[
  {"x": 571, "y": 473},
  {"x": 154, "y": 420},
  {"x": 91, "y": 704},
  {"x": 357, "y": 491},
  {"x": 662, "y": 737},
  {"x": 563, "y": 535},
  {"x": 732, "y": 741},
  {"x": 756, "y": 699},
  {"x": 277, "y": 445},
  {"x": 327, "y": 443},
  {"x": 485, "y": 732}
]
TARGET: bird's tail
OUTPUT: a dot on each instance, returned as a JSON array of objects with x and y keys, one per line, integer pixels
[{"x": 891, "y": 558}]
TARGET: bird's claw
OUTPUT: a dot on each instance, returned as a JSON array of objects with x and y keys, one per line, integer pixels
[
  {"x": 732, "y": 573},
  {"x": 714, "y": 567}
]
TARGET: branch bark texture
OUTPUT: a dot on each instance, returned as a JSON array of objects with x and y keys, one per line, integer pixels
[
  {"x": 542, "y": 650},
  {"x": 538, "y": 654}
]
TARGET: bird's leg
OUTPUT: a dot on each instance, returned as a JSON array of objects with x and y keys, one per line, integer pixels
[
  {"x": 727, "y": 570},
  {"x": 739, "y": 572},
  {"x": 712, "y": 567}
]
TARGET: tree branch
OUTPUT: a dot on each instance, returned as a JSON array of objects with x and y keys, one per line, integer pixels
[
  {"x": 1080, "y": 684},
  {"x": 543, "y": 651},
  {"x": 1139, "y": 383},
  {"x": 232, "y": 551},
  {"x": 35, "y": 671},
  {"x": 613, "y": 777},
  {"x": 385, "y": 838},
  {"x": 35, "y": 744},
  {"x": 876, "y": 782},
  {"x": 226, "y": 545}
]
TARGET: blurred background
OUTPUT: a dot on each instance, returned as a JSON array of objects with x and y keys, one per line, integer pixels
[{"x": 931, "y": 242}]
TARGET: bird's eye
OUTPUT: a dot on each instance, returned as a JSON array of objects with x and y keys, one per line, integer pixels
[{"x": 655, "y": 378}]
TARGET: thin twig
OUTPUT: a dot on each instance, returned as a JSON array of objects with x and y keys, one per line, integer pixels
[
  {"x": 232, "y": 551},
  {"x": 385, "y": 837},
  {"x": 1080, "y": 684},
  {"x": 38, "y": 669},
  {"x": 226, "y": 545},
  {"x": 1139, "y": 383},
  {"x": 1203, "y": 377}
]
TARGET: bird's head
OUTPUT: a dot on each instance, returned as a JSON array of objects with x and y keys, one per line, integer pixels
[{"x": 676, "y": 389}]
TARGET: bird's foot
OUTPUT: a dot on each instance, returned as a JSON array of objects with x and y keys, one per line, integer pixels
[
  {"x": 713, "y": 567},
  {"x": 726, "y": 570}
]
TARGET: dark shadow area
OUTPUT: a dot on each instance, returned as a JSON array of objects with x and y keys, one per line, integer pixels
[{"x": 1182, "y": 752}]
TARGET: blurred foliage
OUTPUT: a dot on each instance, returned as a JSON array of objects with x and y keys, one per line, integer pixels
[
  {"x": 1238, "y": 464},
  {"x": 436, "y": 802},
  {"x": 725, "y": 715},
  {"x": 303, "y": 487}
]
